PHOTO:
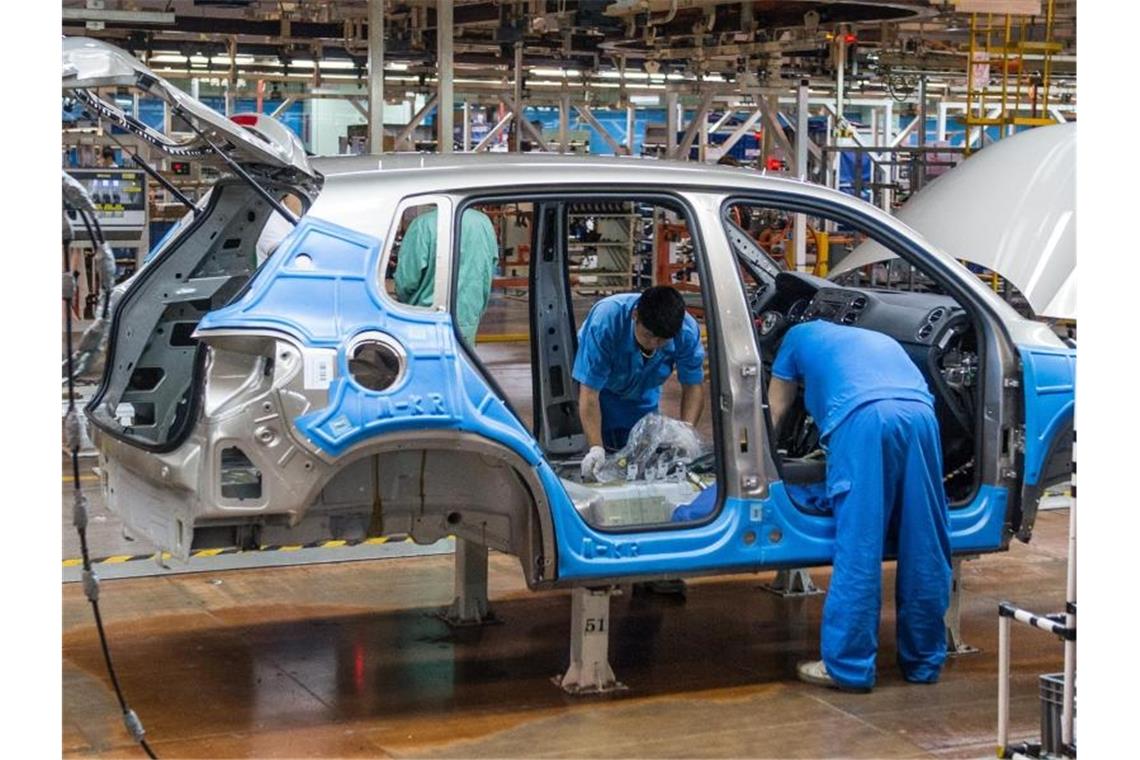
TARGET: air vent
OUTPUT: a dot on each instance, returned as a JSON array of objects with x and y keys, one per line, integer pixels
[
  {"x": 858, "y": 303},
  {"x": 925, "y": 331},
  {"x": 849, "y": 318},
  {"x": 936, "y": 315}
]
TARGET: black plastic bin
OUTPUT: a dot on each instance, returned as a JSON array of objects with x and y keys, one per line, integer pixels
[{"x": 1052, "y": 699}]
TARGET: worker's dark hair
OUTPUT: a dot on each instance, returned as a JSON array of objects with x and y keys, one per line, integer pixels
[{"x": 662, "y": 310}]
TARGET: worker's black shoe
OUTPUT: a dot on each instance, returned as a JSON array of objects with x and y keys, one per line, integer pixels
[
  {"x": 671, "y": 587},
  {"x": 815, "y": 673}
]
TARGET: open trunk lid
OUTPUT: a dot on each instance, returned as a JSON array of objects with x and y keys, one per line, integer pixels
[{"x": 90, "y": 64}]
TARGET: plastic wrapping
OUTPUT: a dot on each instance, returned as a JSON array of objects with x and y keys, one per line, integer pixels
[{"x": 659, "y": 448}]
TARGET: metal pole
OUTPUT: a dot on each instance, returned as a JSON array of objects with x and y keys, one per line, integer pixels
[
  {"x": 1068, "y": 696},
  {"x": 703, "y": 139},
  {"x": 466, "y": 126},
  {"x": 887, "y": 197},
  {"x": 518, "y": 97},
  {"x": 801, "y": 170},
  {"x": 840, "y": 69},
  {"x": 445, "y": 123},
  {"x": 670, "y": 123},
  {"x": 231, "y": 79},
  {"x": 918, "y": 161},
  {"x": 1003, "y": 684},
  {"x": 630, "y": 121},
  {"x": 564, "y": 123},
  {"x": 772, "y": 104},
  {"x": 375, "y": 76}
]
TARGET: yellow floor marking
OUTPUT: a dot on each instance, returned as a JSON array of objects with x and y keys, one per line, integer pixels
[
  {"x": 117, "y": 559},
  {"x": 82, "y": 478},
  {"x": 72, "y": 562},
  {"x": 333, "y": 544},
  {"x": 290, "y": 548},
  {"x": 207, "y": 553}
]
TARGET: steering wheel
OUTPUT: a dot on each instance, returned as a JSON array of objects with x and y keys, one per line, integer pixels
[
  {"x": 770, "y": 328},
  {"x": 799, "y": 437}
]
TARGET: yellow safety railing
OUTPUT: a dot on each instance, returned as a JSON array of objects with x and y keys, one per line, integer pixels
[{"x": 993, "y": 42}]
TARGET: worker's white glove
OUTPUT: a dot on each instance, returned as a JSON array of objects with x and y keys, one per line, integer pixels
[{"x": 592, "y": 463}]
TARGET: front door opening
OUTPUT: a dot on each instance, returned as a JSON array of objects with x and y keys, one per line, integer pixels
[{"x": 932, "y": 326}]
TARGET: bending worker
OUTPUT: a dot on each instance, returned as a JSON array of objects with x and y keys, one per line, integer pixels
[
  {"x": 884, "y": 484},
  {"x": 478, "y": 258},
  {"x": 627, "y": 348}
]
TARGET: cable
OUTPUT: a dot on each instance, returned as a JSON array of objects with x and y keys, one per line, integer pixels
[{"x": 72, "y": 427}]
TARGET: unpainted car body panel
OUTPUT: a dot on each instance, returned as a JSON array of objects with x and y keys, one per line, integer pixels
[{"x": 1010, "y": 208}]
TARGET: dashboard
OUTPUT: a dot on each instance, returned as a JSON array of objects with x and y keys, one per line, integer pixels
[
  {"x": 933, "y": 329},
  {"x": 917, "y": 320}
]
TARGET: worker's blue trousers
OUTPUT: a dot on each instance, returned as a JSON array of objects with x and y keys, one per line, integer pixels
[{"x": 884, "y": 482}]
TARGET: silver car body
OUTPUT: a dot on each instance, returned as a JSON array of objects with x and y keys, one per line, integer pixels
[{"x": 220, "y": 369}]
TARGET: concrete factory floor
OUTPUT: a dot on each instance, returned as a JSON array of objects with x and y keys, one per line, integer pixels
[{"x": 346, "y": 658}]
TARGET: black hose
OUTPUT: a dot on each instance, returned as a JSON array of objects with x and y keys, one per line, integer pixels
[{"x": 90, "y": 581}]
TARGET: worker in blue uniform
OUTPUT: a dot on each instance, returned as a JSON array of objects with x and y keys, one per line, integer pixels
[
  {"x": 884, "y": 484},
  {"x": 628, "y": 347}
]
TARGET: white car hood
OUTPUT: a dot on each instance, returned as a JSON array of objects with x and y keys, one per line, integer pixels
[{"x": 1012, "y": 209}]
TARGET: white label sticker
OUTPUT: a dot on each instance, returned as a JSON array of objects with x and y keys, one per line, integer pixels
[{"x": 319, "y": 368}]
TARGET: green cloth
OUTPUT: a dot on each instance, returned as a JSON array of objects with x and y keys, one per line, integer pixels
[{"x": 478, "y": 258}]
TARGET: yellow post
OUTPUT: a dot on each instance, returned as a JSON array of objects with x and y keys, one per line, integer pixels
[
  {"x": 1048, "y": 57},
  {"x": 970, "y": 79},
  {"x": 1005, "y": 77},
  {"x": 994, "y": 280},
  {"x": 822, "y": 254}
]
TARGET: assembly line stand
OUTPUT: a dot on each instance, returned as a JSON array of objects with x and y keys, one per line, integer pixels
[
  {"x": 470, "y": 606},
  {"x": 590, "y": 671}
]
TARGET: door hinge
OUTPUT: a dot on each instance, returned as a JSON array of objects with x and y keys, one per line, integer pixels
[
  {"x": 748, "y": 370},
  {"x": 1011, "y": 382}
]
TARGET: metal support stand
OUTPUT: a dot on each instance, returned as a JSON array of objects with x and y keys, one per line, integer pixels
[
  {"x": 954, "y": 644},
  {"x": 590, "y": 671},
  {"x": 792, "y": 583},
  {"x": 470, "y": 606}
]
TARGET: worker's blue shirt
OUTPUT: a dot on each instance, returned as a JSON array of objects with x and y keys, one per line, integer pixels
[
  {"x": 844, "y": 367},
  {"x": 610, "y": 361}
]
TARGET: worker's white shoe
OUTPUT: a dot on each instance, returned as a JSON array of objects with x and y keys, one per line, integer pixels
[{"x": 815, "y": 673}]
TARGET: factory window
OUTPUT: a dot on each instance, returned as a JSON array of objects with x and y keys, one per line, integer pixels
[{"x": 530, "y": 270}]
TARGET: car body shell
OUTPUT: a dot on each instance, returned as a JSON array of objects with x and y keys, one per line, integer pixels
[{"x": 439, "y": 452}]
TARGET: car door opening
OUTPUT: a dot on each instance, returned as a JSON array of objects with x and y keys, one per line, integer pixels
[
  {"x": 935, "y": 330},
  {"x": 561, "y": 260}
]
